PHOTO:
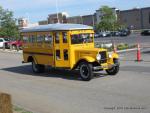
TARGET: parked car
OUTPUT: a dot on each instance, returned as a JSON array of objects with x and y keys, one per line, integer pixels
[
  {"x": 145, "y": 33},
  {"x": 96, "y": 35},
  {"x": 115, "y": 33},
  {"x": 3, "y": 42},
  {"x": 124, "y": 32},
  {"x": 15, "y": 44},
  {"x": 105, "y": 34}
]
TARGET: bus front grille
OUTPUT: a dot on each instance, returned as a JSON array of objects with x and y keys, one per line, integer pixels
[{"x": 103, "y": 57}]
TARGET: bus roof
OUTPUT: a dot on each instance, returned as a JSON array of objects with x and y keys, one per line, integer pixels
[{"x": 56, "y": 27}]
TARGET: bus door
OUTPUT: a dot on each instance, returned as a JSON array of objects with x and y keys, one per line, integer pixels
[{"x": 61, "y": 49}]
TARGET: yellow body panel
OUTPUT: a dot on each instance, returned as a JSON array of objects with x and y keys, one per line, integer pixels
[{"x": 45, "y": 53}]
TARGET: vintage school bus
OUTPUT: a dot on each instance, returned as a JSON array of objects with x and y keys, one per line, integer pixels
[{"x": 68, "y": 46}]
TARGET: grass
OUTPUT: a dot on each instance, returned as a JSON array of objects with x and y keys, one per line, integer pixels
[
  {"x": 121, "y": 46},
  {"x": 17, "y": 109}
]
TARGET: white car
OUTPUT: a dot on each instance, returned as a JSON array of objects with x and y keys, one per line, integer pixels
[{"x": 2, "y": 42}]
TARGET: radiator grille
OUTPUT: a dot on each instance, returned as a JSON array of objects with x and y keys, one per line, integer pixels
[{"x": 103, "y": 57}]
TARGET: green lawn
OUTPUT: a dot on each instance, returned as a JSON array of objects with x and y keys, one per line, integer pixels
[{"x": 20, "y": 110}]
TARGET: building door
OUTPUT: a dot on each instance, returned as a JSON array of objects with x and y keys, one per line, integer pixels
[{"x": 61, "y": 49}]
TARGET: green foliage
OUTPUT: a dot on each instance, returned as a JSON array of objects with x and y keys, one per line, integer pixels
[
  {"x": 8, "y": 26},
  {"x": 17, "y": 109},
  {"x": 108, "y": 20},
  {"x": 122, "y": 46}
]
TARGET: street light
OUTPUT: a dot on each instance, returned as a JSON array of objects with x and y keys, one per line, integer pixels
[
  {"x": 81, "y": 19},
  {"x": 57, "y": 11},
  {"x": 93, "y": 20}
]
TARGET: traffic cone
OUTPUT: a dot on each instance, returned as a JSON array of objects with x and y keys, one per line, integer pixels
[{"x": 138, "y": 53}]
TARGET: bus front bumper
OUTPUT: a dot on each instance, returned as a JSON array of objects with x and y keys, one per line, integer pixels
[{"x": 104, "y": 67}]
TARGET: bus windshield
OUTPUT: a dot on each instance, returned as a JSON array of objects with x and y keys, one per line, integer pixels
[{"x": 81, "y": 38}]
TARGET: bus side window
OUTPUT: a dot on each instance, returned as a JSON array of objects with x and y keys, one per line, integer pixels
[
  {"x": 65, "y": 54},
  {"x": 40, "y": 39},
  {"x": 25, "y": 41},
  {"x": 56, "y": 37},
  {"x": 32, "y": 39},
  {"x": 64, "y": 35},
  {"x": 58, "y": 55},
  {"x": 48, "y": 39}
]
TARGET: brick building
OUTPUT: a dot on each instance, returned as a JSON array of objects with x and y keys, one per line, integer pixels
[
  {"x": 138, "y": 18},
  {"x": 57, "y": 18}
]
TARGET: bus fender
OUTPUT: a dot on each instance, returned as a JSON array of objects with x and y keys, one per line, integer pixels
[
  {"x": 88, "y": 59},
  {"x": 115, "y": 55}
]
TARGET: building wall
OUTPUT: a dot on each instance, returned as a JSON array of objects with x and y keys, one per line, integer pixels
[
  {"x": 44, "y": 22},
  {"x": 145, "y": 13},
  {"x": 130, "y": 18},
  {"x": 135, "y": 18},
  {"x": 22, "y": 22},
  {"x": 52, "y": 18},
  {"x": 75, "y": 20},
  {"x": 89, "y": 20}
]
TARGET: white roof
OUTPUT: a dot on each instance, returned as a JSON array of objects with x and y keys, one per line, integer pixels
[{"x": 56, "y": 27}]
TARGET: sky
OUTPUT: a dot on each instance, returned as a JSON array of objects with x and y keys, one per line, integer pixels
[{"x": 37, "y": 10}]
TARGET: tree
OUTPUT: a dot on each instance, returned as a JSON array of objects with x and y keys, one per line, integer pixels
[
  {"x": 108, "y": 20},
  {"x": 8, "y": 27}
]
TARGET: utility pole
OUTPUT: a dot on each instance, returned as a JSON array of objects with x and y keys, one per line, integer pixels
[{"x": 57, "y": 12}]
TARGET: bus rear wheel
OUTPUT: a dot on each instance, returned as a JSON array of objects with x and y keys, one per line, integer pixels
[
  {"x": 86, "y": 71},
  {"x": 37, "y": 68}
]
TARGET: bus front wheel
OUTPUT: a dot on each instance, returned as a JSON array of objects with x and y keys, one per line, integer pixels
[
  {"x": 37, "y": 68},
  {"x": 86, "y": 71}
]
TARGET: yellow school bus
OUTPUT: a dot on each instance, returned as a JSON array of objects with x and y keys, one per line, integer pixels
[{"x": 67, "y": 46}]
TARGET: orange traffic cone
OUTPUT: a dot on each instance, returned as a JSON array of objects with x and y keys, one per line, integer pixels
[{"x": 138, "y": 53}]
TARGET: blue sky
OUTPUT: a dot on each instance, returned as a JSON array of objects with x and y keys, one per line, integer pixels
[{"x": 38, "y": 10}]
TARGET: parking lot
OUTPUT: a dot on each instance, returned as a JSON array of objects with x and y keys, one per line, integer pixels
[{"x": 59, "y": 91}]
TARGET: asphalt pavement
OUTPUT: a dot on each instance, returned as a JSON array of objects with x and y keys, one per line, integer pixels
[
  {"x": 131, "y": 39},
  {"x": 59, "y": 91}
]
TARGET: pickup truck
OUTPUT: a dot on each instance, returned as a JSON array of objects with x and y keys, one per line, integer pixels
[{"x": 15, "y": 44}]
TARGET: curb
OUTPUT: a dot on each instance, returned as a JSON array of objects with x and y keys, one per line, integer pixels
[
  {"x": 126, "y": 50},
  {"x": 20, "y": 52},
  {"x": 11, "y": 51}
]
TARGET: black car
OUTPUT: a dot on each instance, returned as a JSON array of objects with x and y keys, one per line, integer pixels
[
  {"x": 145, "y": 33},
  {"x": 124, "y": 32}
]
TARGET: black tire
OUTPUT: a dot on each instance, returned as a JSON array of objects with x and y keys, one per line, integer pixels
[
  {"x": 86, "y": 71},
  {"x": 36, "y": 68},
  {"x": 113, "y": 71},
  {"x": 14, "y": 47}
]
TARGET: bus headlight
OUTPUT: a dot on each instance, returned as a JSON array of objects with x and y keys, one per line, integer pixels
[
  {"x": 98, "y": 57},
  {"x": 110, "y": 55}
]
